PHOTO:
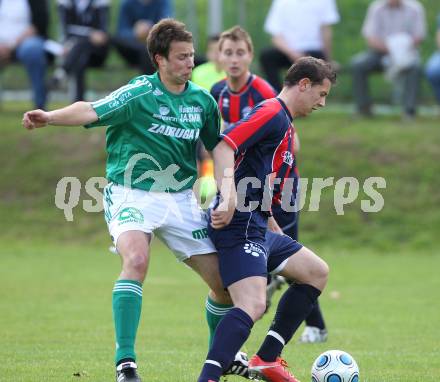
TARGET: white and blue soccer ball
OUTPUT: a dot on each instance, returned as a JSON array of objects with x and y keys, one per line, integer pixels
[{"x": 335, "y": 366}]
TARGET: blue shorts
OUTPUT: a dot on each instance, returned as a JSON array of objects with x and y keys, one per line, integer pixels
[
  {"x": 288, "y": 221},
  {"x": 246, "y": 248}
]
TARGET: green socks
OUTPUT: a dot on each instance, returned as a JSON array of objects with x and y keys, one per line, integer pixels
[
  {"x": 127, "y": 305},
  {"x": 214, "y": 314}
]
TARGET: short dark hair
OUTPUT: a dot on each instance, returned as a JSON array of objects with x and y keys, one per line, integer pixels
[
  {"x": 315, "y": 69},
  {"x": 163, "y": 34},
  {"x": 235, "y": 34}
]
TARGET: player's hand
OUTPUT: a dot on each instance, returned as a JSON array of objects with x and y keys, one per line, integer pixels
[
  {"x": 98, "y": 37},
  {"x": 35, "y": 119},
  {"x": 222, "y": 215},
  {"x": 141, "y": 29}
]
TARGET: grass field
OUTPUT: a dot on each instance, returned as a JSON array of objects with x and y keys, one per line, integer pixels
[
  {"x": 381, "y": 304},
  {"x": 56, "y": 316}
]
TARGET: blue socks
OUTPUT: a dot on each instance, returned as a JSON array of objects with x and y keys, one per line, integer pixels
[
  {"x": 294, "y": 306},
  {"x": 231, "y": 333},
  {"x": 214, "y": 314},
  {"x": 315, "y": 318}
]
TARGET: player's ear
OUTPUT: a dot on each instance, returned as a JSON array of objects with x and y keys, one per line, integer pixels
[
  {"x": 304, "y": 84},
  {"x": 158, "y": 58}
]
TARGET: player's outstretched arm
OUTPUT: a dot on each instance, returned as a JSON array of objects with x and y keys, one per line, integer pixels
[
  {"x": 79, "y": 113},
  {"x": 223, "y": 156}
]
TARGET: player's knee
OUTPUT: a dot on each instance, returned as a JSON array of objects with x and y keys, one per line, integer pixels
[
  {"x": 260, "y": 308},
  {"x": 256, "y": 307},
  {"x": 324, "y": 270},
  {"x": 136, "y": 261},
  {"x": 320, "y": 274}
]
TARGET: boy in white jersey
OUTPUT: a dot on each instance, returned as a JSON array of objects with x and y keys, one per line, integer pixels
[{"x": 153, "y": 126}]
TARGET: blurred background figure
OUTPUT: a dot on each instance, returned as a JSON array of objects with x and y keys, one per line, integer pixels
[
  {"x": 207, "y": 74},
  {"x": 433, "y": 65},
  {"x": 393, "y": 30},
  {"x": 23, "y": 29},
  {"x": 298, "y": 28},
  {"x": 84, "y": 27},
  {"x": 136, "y": 17}
]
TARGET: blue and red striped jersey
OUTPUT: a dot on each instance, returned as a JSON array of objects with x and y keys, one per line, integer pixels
[
  {"x": 236, "y": 105},
  {"x": 263, "y": 142}
]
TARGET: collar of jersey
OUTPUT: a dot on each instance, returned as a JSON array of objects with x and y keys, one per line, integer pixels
[
  {"x": 162, "y": 87},
  {"x": 243, "y": 88},
  {"x": 285, "y": 108}
]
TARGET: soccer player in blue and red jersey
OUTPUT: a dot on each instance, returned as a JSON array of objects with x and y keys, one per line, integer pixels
[
  {"x": 254, "y": 156},
  {"x": 241, "y": 90},
  {"x": 236, "y": 95}
]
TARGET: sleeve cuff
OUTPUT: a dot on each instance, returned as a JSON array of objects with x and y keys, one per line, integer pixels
[
  {"x": 229, "y": 142},
  {"x": 97, "y": 122}
]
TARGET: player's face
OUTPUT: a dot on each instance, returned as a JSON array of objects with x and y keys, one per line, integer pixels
[
  {"x": 313, "y": 96},
  {"x": 235, "y": 58},
  {"x": 178, "y": 66}
]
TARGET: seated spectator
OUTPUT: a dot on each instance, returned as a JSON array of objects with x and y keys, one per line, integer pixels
[
  {"x": 22, "y": 34},
  {"x": 84, "y": 24},
  {"x": 136, "y": 17},
  {"x": 433, "y": 65},
  {"x": 298, "y": 28},
  {"x": 207, "y": 74},
  {"x": 393, "y": 30}
]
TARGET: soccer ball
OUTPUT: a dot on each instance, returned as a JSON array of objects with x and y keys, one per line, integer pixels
[{"x": 335, "y": 366}]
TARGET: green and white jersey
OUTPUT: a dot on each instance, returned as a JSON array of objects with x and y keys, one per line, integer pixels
[{"x": 152, "y": 133}]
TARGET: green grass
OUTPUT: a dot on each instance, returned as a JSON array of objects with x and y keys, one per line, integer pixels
[
  {"x": 332, "y": 145},
  {"x": 57, "y": 276},
  {"x": 404, "y": 154},
  {"x": 56, "y": 316}
]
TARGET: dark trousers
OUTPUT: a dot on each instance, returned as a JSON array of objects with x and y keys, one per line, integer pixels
[
  {"x": 273, "y": 61},
  {"x": 135, "y": 53},
  {"x": 30, "y": 52},
  {"x": 365, "y": 63},
  {"x": 82, "y": 55}
]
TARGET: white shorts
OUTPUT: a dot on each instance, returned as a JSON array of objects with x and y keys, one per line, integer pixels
[{"x": 175, "y": 218}]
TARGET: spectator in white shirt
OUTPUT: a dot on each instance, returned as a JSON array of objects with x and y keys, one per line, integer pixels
[{"x": 298, "y": 28}]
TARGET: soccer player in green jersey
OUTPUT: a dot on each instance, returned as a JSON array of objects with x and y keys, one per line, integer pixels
[{"x": 154, "y": 123}]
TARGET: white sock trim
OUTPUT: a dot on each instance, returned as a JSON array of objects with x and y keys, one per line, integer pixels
[
  {"x": 277, "y": 336},
  {"x": 215, "y": 363},
  {"x": 127, "y": 289},
  {"x": 215, "y": 310},
  {"x": 126, "y": 364}
]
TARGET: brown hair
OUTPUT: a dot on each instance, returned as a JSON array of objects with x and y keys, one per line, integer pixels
[
  {"x": 163, "y": 34},
  {"x": 316, "y": 70},
  {"x": 236, "y": 33}
]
